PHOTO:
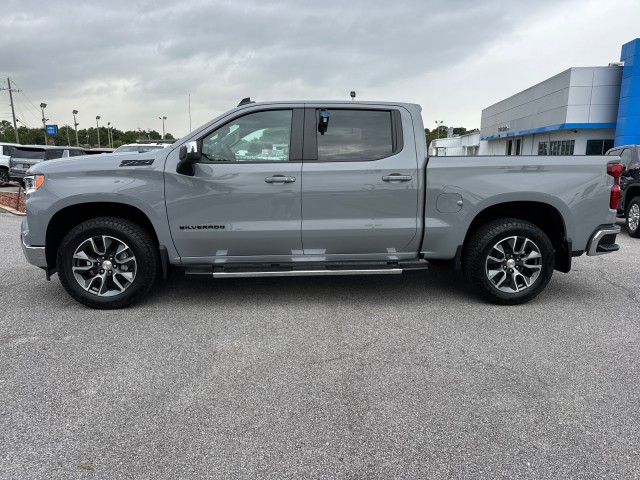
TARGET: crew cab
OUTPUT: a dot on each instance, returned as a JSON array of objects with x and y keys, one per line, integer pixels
[{"x": 314, "y": 188}]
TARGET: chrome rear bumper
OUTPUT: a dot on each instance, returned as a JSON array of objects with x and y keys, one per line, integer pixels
[{"x": 603, "y": 240}]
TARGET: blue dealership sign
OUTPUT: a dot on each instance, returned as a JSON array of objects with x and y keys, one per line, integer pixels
[{"x": 51, "y": 129}]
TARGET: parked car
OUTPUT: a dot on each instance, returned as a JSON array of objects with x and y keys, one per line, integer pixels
[
  {"x": 5, "y": 154},
  {"x": 629, "y": 205},
  {"x": 24, "y": 157},
  {"x": 140, "y": 147}
]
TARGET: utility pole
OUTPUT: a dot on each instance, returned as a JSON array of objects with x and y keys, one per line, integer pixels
[
  {"x": 44, "y": 122},
  {"x": 13, "y": 112},
  {"x": 98, "y": 129},
  {"x": 75, "y": 126},
  {"x": 163, "y": 119}
]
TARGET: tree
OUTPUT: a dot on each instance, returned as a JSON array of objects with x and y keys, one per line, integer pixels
[{"x": 88, "y": 137}]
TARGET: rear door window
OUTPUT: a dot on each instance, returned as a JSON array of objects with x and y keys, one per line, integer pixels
[{"x": 355, "y": 135}]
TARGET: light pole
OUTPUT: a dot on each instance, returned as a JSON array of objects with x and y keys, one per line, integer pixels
[
  {"x": 98, "y": 129},
  {"x": 109, "y": 134},
  {"x": 163, "y": 119},
  {"x": 438, "y": 123},
  {"x": 44, "y": 122},
  {"x": 75, "y": 126}
]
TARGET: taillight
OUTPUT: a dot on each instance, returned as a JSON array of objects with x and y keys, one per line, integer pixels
[{"x": 615, "y": 170}]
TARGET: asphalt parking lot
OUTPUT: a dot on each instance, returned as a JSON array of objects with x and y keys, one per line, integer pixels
[{"x": 347, "y": 377}]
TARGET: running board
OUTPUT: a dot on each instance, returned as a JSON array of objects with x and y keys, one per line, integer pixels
[{"x": 300, "y": 272}]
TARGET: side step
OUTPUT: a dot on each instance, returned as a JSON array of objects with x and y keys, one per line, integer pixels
[{"x": 302, "y": 271}]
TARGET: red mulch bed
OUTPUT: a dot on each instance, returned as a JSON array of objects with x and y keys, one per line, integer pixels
[{"x": 13, "y": 200}]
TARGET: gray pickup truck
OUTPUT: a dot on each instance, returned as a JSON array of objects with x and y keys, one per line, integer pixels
[{"x": 314, "y": 188}]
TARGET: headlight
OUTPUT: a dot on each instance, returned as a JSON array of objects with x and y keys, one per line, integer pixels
[{"x": 33, "y": 183}]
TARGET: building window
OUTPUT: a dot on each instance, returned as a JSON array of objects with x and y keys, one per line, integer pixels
[
  {"x": 518, "y": 146},
  {"x": 556, "y": 147},
  {"x": 509, "y": 147},
  {"x": 598, "y": 147}
]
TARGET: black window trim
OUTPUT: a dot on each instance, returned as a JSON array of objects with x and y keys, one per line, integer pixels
[
  {"x": 310, "y": 146},
  {"x": 295, "y": 140}
]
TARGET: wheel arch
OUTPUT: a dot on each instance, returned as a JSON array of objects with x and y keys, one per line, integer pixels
[
  {"x": 544, "y": 216},
  {"x": 69, "y": 217},
  {"x": 631, "y": 193}
]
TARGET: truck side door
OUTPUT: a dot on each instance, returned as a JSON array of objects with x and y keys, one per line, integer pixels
[
  {"x": 360, "y": 183},
  {"x": 243, "y": 198}
]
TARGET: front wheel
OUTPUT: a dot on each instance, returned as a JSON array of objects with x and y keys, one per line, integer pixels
[
  {"x": 508, "y": 261},
  {"x": 108, "y": 262},
  {"x": 633, "y": 218}
]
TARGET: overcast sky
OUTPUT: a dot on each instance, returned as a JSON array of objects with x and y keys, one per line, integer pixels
[{"x": 134, "y": 61}]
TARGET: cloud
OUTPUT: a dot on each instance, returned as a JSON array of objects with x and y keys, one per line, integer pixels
[{"x": 132, "y": 61}]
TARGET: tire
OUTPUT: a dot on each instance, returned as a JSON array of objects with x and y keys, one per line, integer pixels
[
  {"x": 508, "y": 261},
  {"x": 108, "y": 262},
  {"x": 632, "y": 217},
  {"x": 4, "y": 177}
]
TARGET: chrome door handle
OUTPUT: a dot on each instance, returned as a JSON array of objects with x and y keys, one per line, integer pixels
[
  {"x": 280, "y": 179},
  {"x": 395, "y": 177}
]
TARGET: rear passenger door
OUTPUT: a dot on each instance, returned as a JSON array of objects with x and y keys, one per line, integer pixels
[{"x": 360, "y": 183}]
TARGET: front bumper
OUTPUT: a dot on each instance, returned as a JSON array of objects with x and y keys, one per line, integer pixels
[
  {"x": 34, "y": 255},
  {"x": 603, "y": 240},
  {"x": 17, "y": 174}
]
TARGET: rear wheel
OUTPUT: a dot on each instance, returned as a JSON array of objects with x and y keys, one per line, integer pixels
[
  {"x": 633, "y": 218},
  {"x": 508, "y": 261},
  {"x": 108, "y": 262}
]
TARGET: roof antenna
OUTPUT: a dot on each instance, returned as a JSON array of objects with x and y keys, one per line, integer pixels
[{"x": 245, "y": 101}]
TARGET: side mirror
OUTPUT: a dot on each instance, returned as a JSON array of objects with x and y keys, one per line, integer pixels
[
  {"x": 189, "y": 154},
  {"x": 190, "y": 151}
]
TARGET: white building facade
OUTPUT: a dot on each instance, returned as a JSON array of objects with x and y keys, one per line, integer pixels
[
  {"x": 461, "y": 145},
  {"x": 572, "y": 113},
  {"x": 581, "y": 111}
]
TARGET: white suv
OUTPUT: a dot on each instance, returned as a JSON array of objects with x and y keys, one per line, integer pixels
[{"x": 5, "y": 154}]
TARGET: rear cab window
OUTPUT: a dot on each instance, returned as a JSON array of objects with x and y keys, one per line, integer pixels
[
  {"x": 29, "y": 154},
  {"x": 625, "y": 157}
]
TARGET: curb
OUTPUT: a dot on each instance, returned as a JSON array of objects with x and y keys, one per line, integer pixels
[{"x": 12, "y": 210}]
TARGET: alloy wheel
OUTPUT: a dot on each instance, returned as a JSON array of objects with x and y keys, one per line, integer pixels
[
  {"x": 513, "y": 264},
  {"x": 104, "y": 266},
  {"x": 633, "y": 217}
]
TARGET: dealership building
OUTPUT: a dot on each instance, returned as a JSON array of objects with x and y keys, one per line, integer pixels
[{"x": 581, "y": 111}]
